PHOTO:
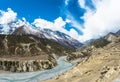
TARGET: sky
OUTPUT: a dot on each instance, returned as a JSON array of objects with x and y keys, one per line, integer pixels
[{"x": 81, "y": 19}]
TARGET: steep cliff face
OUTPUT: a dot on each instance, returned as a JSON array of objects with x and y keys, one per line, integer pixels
[{"x": 28, "y": 65}]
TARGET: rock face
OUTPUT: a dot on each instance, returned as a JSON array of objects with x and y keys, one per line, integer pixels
[{"x": 26, "y": 65}]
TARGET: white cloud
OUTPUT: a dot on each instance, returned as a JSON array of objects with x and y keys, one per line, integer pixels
[
  {"x": 82, "y": 3},
  {"x": 74, "y": 33},
  {"x": 105, "y": 19},
  {"x": 7, "y": 17},
  {"x": 11, "y": 16},
  {"x": 42, "y": 23},
  {"x": 66, "y": 2},
  {"x": 57, "y": 25},
  {"x": 67, "y": 21},
  {"x": 73, "y": 22}
]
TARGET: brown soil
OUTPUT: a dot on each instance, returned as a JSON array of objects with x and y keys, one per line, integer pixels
[{"x": 102, "y": 66}]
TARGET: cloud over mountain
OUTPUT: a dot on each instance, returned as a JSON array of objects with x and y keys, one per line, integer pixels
[
  {"x": 105, "y": 18},
  {"x": 8, "y": 16},
  {"x": 99, "y": 17},
  {"x": 57, "y": 25}
]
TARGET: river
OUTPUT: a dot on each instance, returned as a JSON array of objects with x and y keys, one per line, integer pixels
[{"x": 38, "y": 75}]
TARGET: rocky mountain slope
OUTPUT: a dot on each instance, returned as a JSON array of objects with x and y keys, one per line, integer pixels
[
  {"x": 24, "y": 47},
  {"x": 94, "y": 44},
  {"x": 102, "y": 63},
  {"x": 111, "y": 37},
  {"x": 21, "y": 53},
  {"x": 28, "y": 45},
  {"x": 20, "y": 27},
  {"x": 55, "y": 36},
  {"x": 62, "y": 38}
]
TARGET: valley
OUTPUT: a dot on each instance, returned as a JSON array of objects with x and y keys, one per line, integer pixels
[
  {"x": 37, "y": 75},
  {"x": 27, "y": 54},
  {"x": 102, "y": 63}
]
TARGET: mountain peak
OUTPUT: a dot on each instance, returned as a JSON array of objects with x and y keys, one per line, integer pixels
[
  {"x": 25, "y": 28},
  {"x": 118, "y": 32},
  {"x": 111, "y": 37},
  {"x": 56, "y": 36},
  {"x": 20, "y": 31}
]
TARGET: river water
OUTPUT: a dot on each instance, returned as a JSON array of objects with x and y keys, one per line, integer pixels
[{"x": 38, "y": 75}]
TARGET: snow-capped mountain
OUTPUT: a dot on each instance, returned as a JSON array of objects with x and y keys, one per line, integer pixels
[
  {"x": 62, "y": 38},
  {"x": 23, "y": 28}
]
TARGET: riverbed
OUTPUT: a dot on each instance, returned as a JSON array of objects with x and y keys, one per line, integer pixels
[{"x": 38, "y": 75}]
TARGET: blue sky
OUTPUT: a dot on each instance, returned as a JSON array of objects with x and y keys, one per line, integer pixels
[
  {"x": 81, "y": 19},
  {"x": 31, "y": 9},
  {"x": 45, "y": 9}
]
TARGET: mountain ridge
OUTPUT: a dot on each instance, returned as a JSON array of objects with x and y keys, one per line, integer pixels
[{"x": 20, "y": 27}]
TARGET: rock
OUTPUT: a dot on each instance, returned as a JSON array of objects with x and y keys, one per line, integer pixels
[{"x": 25, "y": 66}]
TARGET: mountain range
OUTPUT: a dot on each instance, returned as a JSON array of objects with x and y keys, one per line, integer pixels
[{"x": 24, "y": 28}]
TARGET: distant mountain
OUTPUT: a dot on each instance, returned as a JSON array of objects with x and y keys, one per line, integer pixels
[
  {"x": 93, "y": 44},
  {"x": 103, "y": 41},
  {"x": 111, "y": 37},
  {"x": 61, "y": 38},
  {"x": 56, "y": 36},
  {"x": 24, "y": 28},
  {"x": 118, "y": 32}
]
